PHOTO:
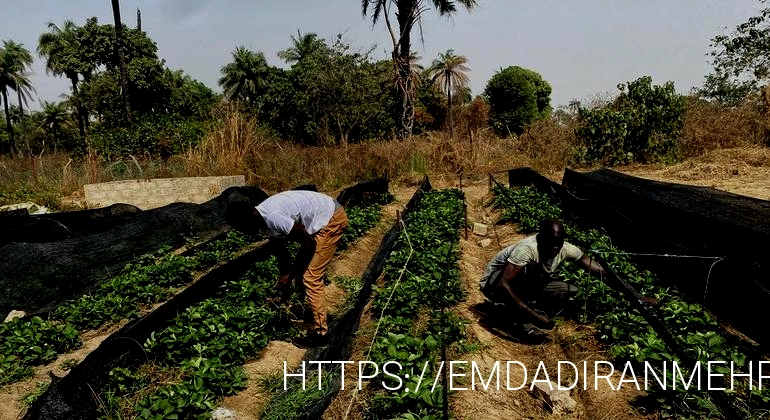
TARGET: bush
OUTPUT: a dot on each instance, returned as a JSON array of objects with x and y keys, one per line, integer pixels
[
  {"x": 642, "y": 124},
  {"x": 517, "y": 97},
  {"x": 161, "y": 136}
]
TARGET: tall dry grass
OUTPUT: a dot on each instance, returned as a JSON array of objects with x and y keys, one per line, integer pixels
[
  {"x": 237, "y": 145},
  {"x": 710, "y": 126}
]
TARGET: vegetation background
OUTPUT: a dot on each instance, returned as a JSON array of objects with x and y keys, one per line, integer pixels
[{"x": 336, "y": 115}]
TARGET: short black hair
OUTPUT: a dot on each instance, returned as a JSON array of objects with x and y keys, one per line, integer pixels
[
  {"x": 549, "y": 226},
  {"x": 239, "y": 213}
]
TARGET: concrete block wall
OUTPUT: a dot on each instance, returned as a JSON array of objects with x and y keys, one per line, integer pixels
[{"x": 153, "y": 193}]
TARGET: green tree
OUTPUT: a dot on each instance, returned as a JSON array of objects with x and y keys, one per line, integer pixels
[
  {"x": 741, "y": 60},
  {"x": 449, "y": 72},
  {"x": 20, "y": 58},
  {"x": 302, "y": 47},
  {"x": 408, "y": 14},
  {"x": 54, "y": 116},
  {"x": 14, "y": 60},
  {"x": 119, "y": 41},
  {"x": 61, "y": 48},
  {"x": 245, "y": 78},
  {"x": 642, "y": 124},
  {"x": 517, "y": 97}
]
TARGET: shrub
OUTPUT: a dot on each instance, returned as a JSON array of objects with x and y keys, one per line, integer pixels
[
  {"x": 642, "y": 124},
  {"x": 517, "y": 97}
]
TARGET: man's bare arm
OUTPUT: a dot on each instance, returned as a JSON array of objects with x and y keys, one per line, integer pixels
[
  {"x": 592, "y": 266},
  {"x": 306, "y": 250},
  {"x": 510, "y": 271}
]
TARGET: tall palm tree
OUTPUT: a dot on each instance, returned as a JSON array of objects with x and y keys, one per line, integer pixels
[
  {"x": 449, "y": 72},
  {"x": 416, "y": 69},
  {"x": 60, "y": 47},
  {"x": 121, "y": 58},
  {"x": 408, "y": 13},
  {"x": 13, "y": 75},
  {"x": 302, "y": 46},
  {"x": 20, "y": 58},
  {"x": 54, "y": 116},
  {"x": 7, "y": 73},
  {"x": 246, "y": 76}
]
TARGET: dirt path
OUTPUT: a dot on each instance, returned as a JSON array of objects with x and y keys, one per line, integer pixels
[{"x": 568, "y": 342}]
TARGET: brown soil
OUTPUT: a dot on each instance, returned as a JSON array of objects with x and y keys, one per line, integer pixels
[
  {"x": 744, "y": 171},
  {"x": 567, "y": 342},
  {"x": 251, "y": 401}
]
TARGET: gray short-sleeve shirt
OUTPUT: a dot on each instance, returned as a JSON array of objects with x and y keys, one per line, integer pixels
[{"x": 525, "y": 252}]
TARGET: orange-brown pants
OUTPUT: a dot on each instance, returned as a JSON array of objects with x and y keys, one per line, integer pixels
[{"x": 326, "y": 241}]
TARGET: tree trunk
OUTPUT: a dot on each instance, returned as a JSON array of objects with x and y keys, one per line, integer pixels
[
  {"x": 8, "y": 124},
  {"x": 21, "y": 107},
  {"x": 401, "y": 56},
  {"x": 78, "y": 108},
  {"x": 121, "y": 58},
  {"x": 449, "y": 99}
]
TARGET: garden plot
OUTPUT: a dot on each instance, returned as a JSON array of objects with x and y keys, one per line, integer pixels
[
  {"x": 410, "y": 318},
  {"x": 628, "y": 336},
  {"x": 197, "y": 359},
  {"x": 29, "y": 346}
]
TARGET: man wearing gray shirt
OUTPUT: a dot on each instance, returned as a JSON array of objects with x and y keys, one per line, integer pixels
[{"x": 519, "y": 277}]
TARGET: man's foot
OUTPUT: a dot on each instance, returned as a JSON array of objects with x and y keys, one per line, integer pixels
[
  {"x": 311, "y": 341},
  {"x": 530, "y": 333}
]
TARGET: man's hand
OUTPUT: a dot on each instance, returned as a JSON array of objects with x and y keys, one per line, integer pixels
[
  {"x": 543, "y": 321},
  {"x": 283, "y": 282}
]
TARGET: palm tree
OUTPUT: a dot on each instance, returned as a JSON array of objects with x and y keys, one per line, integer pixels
[
  {"x": 21, "y": 59},
  {"x": 408, "y": 13},
  {"x": 54, "y": 116},
  {"x": 60, "y": 47},
  {"x": 302, "y": 47},
  {"x": 246, "y": 76},
  {"x": 449, "y": 72},
  {"x": 416, "y": 69},
  {"x": 121, "y": 58}
]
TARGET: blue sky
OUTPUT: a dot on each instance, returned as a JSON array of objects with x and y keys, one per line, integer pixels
[{"x": 583, "y": 48}]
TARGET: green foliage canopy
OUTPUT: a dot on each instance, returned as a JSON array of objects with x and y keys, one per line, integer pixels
[{"x": 517, "y": 97}]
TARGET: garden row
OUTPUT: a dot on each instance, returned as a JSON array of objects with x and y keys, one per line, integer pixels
[
  {"x": 628, "y": 335},
  {"x": 25, "y": 343},
  {"x": 412, "y": 324},
  {"x": 196, "y": 359}
]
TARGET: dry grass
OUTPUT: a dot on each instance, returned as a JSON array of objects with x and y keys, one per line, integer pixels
[
  {"x": 237, "y": 145},
  {"x": 709, "y": 126}
]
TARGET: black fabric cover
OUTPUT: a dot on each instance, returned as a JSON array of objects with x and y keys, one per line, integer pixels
[
  {"x": 653, "y": 217},
  {"x": 36, "y": 276},
  {"x": 72, "y": 397}
]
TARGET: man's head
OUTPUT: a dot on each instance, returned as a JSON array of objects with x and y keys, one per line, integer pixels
[
  {"x": 244, "y": 217},
  {"x": 550, "y": 238}
]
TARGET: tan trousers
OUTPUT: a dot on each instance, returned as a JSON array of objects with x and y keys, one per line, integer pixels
[{"x": 326, "y": 241}]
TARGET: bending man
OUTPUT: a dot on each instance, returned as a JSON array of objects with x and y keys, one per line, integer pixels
[
  {"x": 314, "y": 220},
  {"x": 519, "y": 277}
]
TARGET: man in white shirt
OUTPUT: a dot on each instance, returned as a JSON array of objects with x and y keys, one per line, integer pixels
[
  {"x": 314, "y": 220},
  {"x": 519, "y": 277}
]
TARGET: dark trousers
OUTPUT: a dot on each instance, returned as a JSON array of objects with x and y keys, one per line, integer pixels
[{"x": 535, "y": 287}]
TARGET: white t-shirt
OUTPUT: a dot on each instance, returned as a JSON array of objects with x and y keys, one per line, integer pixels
[
  {"x": 281, "y": 211},
  {"x": 525, "y": 252}
]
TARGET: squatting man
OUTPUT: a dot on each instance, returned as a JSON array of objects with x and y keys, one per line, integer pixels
[
  {"x": 314, "y": 220},
  {"x": 519, "y": 279}
]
